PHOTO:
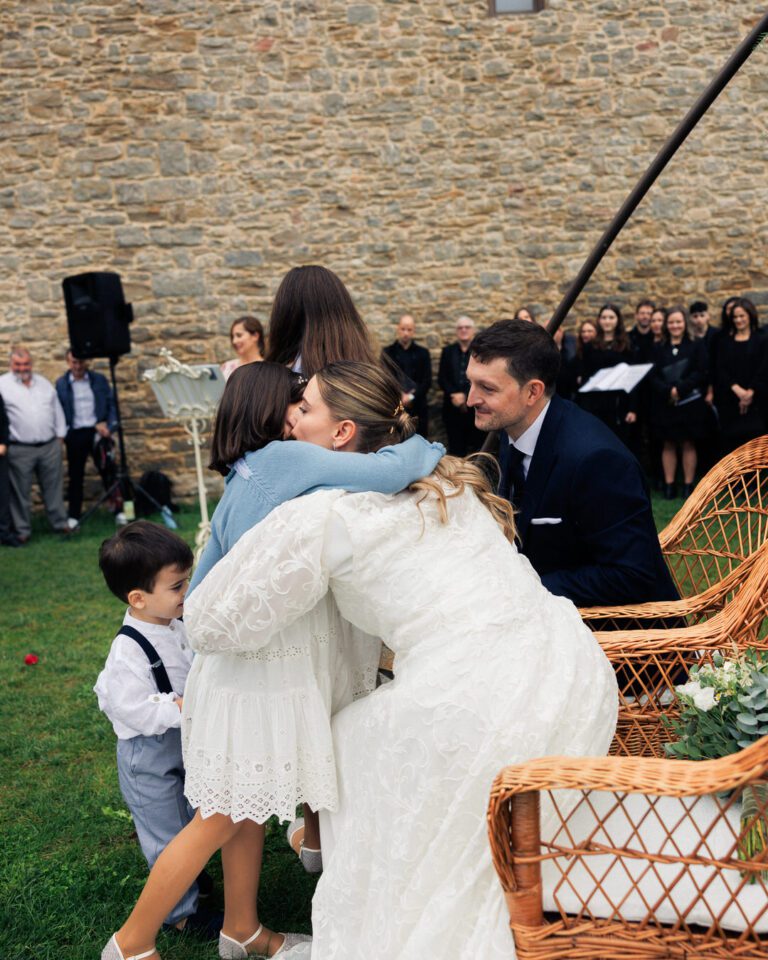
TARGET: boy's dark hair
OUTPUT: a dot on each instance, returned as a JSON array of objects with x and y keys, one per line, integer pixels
[
  {"x": 530, "y": 352},
  {"x": 698, "y": 306},
  {"x": 132, "y": 559},
  {"x": 252, "y": 411}
]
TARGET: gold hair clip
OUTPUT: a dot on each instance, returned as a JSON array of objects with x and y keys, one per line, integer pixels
[{"x": 399, "y": 409}]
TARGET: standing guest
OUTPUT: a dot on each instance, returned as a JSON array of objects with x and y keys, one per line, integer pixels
[
  {"x": 616, "y": 408},
  {"x": 726, "y": 312},
  {"x": 36, "y": 434},
  {"x": 738, "y": 354},
  {"x": 658, "y": 320},
  {"x": 523, "y": 313},
  {"x": 314, "y": 322},
  {"x": 415, "y": 366},
  {"x": 585, "y": 334},
  {"x": 701, "y": 325},
  {"x": 640, "y": 335},
  {"x": 585, "y": 519},
  {"x": 463, "y": 436},
  {"x": 89, "y": 409},
  {"x": 7, "y": 537},
  {"x": 678, "y": 410},
  {"x": 247, "y": 338}
]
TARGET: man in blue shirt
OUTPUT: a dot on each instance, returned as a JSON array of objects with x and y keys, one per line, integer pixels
[{"x": 89, "y": 409}]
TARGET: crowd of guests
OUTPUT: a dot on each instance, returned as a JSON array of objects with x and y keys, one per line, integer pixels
[{"x": 38, "y": 422}]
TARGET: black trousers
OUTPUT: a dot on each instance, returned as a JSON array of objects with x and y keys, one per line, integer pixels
[
  {"x": 5, "y": 499},
  {"x": 463, "y": 435},
  {"x": 79, "y": 444}
]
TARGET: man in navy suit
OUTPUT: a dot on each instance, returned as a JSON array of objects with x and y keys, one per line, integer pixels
[{"x": 584, "y": 515}]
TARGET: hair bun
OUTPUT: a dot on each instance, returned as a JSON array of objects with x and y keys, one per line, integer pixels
[{"x": 405, "y": 425}]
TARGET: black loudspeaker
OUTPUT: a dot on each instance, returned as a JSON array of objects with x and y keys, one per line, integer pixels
[{"x": 97, "y": 315}]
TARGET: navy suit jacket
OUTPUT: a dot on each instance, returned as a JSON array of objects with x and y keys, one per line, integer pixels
[
  {"x": 585, "y": 520},
  {"x": 102, "y": 395}
]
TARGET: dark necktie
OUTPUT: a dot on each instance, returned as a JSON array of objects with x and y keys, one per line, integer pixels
[{"x": 516, "y": 476}]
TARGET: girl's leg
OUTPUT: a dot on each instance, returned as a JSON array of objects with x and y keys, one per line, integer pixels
[
  {"x": 173, "y": 873},
  {"x": 669, "y": 461},
  {"x": 689, "y": 461}
]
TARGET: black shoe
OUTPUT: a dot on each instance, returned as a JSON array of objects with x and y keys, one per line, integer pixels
[
  {"x": 11, "y": 541},
  {"x": 204, "y": 885},
  {"x": 687, "y": 490},
  {"x": 669, "y": 491},
  {"x": 203, "y": 925}
]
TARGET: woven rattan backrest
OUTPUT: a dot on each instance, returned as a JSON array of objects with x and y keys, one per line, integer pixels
[
  {"x": 723, "y": 522},
  {"x": 649, "y": 663}
]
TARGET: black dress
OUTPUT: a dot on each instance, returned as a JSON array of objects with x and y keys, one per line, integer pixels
[
  {"x": 610, "y": 406},
  {"x": 686, "y": 368},
  {"x": 741, "y": 362}
]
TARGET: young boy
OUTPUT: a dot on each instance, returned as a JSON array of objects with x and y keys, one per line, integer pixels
[{"x": 141, "y": 687}]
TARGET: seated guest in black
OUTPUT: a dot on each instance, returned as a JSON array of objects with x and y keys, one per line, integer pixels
[
  {"x": 584, "y": 519},
  {"x": 679, "y": 413},
  {"x": 414, "y": 370},
  {"x": 459, "y": 420}
]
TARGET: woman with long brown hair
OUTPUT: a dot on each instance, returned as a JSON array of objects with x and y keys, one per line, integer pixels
[
  {"x": 314, "y": 322},
  {"x": 490, "y": 669},
  {"x": 247, "y": 338}
]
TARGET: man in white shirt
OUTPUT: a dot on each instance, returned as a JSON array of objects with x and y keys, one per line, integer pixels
[{"x": 36, "y": 432}]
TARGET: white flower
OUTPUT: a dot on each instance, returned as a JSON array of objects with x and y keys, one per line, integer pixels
[
  {"x": 690, "y": 689},
  {"x": 705, "y": 699}
]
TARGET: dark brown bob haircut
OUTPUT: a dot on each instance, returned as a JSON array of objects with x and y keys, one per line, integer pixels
[
  {"x": 132, "y": 559},
  {"x": 530, "y": 352},
  {"x": 252, "y": 411},
  {"x": 315, "y": 319}
]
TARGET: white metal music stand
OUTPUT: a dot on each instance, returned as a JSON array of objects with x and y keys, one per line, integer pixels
[{"x": 190, "y": 394}]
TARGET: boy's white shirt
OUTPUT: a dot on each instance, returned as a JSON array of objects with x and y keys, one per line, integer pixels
[{"x": 126, "y": 687}]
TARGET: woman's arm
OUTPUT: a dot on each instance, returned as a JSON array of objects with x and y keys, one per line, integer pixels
[
  {"x": 292, "y": 468},
  {"x": 269, "y": 579}
]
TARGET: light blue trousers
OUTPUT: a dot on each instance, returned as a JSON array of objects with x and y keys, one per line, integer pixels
[{"x": 151, "y": 778}]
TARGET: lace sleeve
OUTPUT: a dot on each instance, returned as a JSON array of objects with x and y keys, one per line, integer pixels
[{"x": 274, "y": 575}]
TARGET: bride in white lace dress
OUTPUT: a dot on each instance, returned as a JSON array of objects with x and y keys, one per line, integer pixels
[{"x": 490, "y": 669}]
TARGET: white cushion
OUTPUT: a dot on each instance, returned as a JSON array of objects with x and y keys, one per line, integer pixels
[{"x": 636, "y": 887}]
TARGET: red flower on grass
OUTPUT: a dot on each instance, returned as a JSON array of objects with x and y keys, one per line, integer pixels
[{"x": 31, "y": 659}]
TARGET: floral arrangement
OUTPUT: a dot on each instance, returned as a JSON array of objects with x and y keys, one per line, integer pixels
[{"x": 723, "y": 709}]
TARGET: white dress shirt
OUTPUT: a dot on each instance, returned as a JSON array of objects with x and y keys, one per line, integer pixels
[
  {"x": 34, "y": 412},
  {"x": 126, "y": 687},
  {"x": 526, "y": 442},
  {"x": 83, "y": 401}
]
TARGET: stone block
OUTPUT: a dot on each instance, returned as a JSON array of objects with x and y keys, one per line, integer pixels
[{"x": 177, "y": 284}]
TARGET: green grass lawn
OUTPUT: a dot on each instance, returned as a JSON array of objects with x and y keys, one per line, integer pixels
[{"x": 71, "y": 867}]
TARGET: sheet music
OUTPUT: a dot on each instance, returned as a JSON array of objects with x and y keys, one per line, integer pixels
[{"x": 621, "y": 377}]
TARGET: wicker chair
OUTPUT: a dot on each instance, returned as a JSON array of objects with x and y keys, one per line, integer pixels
[
  {"x": 649, "y": 663},
  {"x": 622, "y": 866},
  {"x": 718, "y": 528}
]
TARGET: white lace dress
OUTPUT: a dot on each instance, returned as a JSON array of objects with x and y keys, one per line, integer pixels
[
  {"x": 256, "y": 719},
  {"x": 490, "y": 669}
]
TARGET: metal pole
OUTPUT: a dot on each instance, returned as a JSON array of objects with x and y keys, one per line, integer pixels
[{"x": 666, "y": 153}]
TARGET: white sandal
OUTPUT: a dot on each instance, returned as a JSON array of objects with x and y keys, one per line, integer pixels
[
  {"x": 112, "y": 951},
  {"x": 231, "y": 949},
  {"x": 311, "y": 860}
]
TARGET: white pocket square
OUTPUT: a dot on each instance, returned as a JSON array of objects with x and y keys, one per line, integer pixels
[{"x": 544, "y": 520}]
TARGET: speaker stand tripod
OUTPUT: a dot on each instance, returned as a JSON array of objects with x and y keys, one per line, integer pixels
[{"x": 123, "y": 482}]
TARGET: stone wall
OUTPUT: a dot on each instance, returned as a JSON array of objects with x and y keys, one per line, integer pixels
[{"x": 440, "y": 160}]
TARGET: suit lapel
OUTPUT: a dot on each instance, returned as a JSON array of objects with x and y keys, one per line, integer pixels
[{"x": 542, "y": 462}]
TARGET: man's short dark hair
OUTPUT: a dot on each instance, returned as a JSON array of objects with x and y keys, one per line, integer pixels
[
  {"x": 645, "y": 303},
  {"x": 698, "y": 306},
  {"x": 530, "y": 352},
  {"x": 132, "y": 559}
]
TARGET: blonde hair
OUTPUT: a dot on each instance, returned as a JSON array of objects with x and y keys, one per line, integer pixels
[
  {"x": 460, "y": 474},
  {"x": 369, "y": 396}
]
